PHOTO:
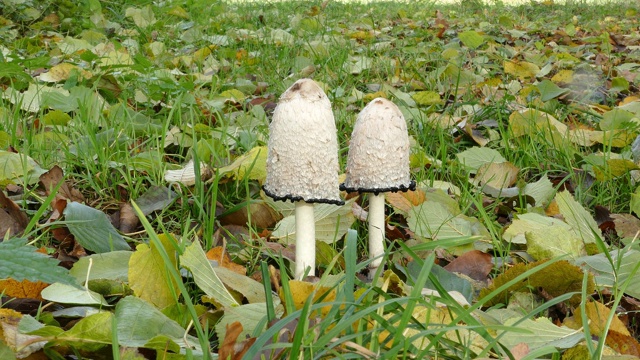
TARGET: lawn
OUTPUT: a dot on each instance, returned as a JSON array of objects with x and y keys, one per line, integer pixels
[{"x": 134, "y": 149}]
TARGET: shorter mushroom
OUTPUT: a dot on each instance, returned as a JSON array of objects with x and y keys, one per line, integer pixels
[
  {"x": 378, "y": 162},
  {"x": 302, "y": 161}
]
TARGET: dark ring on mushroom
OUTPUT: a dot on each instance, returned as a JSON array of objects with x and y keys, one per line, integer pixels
[
  {"x": 376, "y": 191},
  {"x": 300, "y": 198}
]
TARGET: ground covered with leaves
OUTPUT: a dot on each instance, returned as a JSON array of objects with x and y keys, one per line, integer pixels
[{"x": 133, "y": 149}]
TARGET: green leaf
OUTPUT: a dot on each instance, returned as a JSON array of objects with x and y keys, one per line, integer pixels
[
  {"x": 249, "y": 315},
  {"x": 15, "y": 168},
  {"x": 148, "y": 277},
  {"x": 536, "y": 333},
  {"x": 332, "y": 222},
  {"x": 112, "y": 265},
  {"x": 252, "y": 165},
  {"x": 619, "y": 84},
  {"x": 432, "y": 220},
  {"x": 139, "y": 322},
  {"x": 473, "y": 158},
  {"x": 68, "y": 294},
  {"x": 91, "y": 333},
  {"x": 20, "y": 261},
  {"x": 195, "y": 260},
  {"x": 427, "y": 98},
  {"x": 6, "y": 352},
  {"x": 634, "y": 204},
  {"x": 92, "y": 229},
  {"x": 532, "y": 223},
  {"x": 554, "y": 241},
  {"x": 550, "y": 90},
  {"x": 141, "y": 17},
  {"x": 616, "y": 272},
  {"x": 579, "y": 218},
  {"x": 56, "y": 117},
  {"x": 471, "y": 39},
  {"x": 618, "y": 119},
  {"x": 249, "y": 288}
]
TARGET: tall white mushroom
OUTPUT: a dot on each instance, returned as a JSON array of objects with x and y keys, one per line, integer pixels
[
  {"x": 378, "y": 162},
  {"x": 302, "y": 161}
]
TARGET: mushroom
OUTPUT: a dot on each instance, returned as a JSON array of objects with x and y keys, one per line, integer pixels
[
  {"x": 302, "y": 161},
  {"x": 378, "y": 162}
]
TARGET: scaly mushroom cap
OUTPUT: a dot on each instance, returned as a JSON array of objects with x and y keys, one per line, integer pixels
[
  {"x": 302, "y": 161},
  {"x": 378, "y": 159}
]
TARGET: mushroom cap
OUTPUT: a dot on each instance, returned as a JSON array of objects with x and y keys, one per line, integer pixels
[
  {"x": 302, "y": 160},
  {"x": 378, "y": 159}
]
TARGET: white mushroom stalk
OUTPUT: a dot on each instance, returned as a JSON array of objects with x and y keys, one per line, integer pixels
[
  {"x": 378, "y": 162},
  {"x": 302, "y": 162}
]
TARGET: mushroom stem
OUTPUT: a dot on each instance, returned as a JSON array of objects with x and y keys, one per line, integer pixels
[
  {"x": 305, "y": 239},
  {"x": 376, "y": 231}
]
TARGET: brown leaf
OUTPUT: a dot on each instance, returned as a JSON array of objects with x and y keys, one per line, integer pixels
[
  {"x": 277, "y": 249},
  {"x": 12, "y": 219},
  {"x": 52, "y": 178},
  {"x": 624, "y": 344},
  {"x": 520, "y": 351},
  {"x": 475, "y": 264},
  {"x": 24, "y": 289},
  {"x": 263, "y": 216},
  {"x": 230, "y": 347},
  {"x": 626, "y": 225},
  {"x": 220, "y": 255},
  {"x": 128, "y": 219},
  {"x": 230, "y": 234},
  {"x": 404, "y": 201}
]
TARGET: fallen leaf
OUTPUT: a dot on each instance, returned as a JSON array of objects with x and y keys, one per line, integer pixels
[
  {"x": 475, "y": 264},
  {"x": 220, "y": 255},
  {"x": 627, "y": 226},
  {"x": 24, "y": 289},
  {"x": 55, "y": 176},
  {"x": 404, "y": 201},
  {"x": 231, "y": 348}
]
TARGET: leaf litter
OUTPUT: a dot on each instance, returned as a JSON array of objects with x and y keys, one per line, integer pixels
[{"x": 499, "y": 90}]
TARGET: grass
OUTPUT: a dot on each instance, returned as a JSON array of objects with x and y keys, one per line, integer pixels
[{"x": 199, "y": 80}]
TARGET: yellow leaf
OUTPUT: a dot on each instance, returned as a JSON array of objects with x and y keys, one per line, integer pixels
[
  {"x": 179, "y": 12},
  {"x": 521, "y": 69},
  {"x": 301, "y": 290},
  {"x": 563, "y": 76},
  {"x": 427, "y": 98},
  {"x": 64, "y": 71},
  {"x": 252, "y": 165},
  {"x": 368, "y": 97},
  {"x": 597, "y": 314},
  {"x": 24, "y": 289},
  {"x": 148, "y": 277}
]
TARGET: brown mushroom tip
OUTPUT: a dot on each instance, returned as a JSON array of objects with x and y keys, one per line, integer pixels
[
  {"x": 378, "y": 159},
  {"x": 302, "y": 157}
]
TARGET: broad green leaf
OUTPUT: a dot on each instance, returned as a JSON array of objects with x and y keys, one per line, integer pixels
[
  {"x": 31, "y": 100},
  {"x": 433, "y": 221},
  {"x": 532, "y": 121},
  {"x": 252, "y": 165},
  {"x": 497, "y": 175},
  {"x": 68, "y": 294},
  {"x": 609, "y": 274},
  {"x": 619, "y": 84},
  {"x": 634, "y": 204},
  {"x": 249, "y": 288},
  {"x": 16, "y": 168},
  {"x": 579, "y": 218},
  {"x": 195, "y": 260},
  {"x": 139, "y": 322},
  {"x": 473, "y": 158},
  {"x": 141, "y": 17},
  {"x": 113, "y": 265},
  {"x": 20, "y": 261},
  {"x": 541, "y": 190},
  {"x": 531, "y": 223},
  {"x": 90, "y": 333},
  {"x": 332, "y": 222},
  {"x": 471, "y": 38},
  {"x": 554, "y": 241},
  {"x": 56, "y": 117},
  {"x": 92, "y": 229},
  {"x": 155, "y": 198},
  {"x": 427, "y": 98},
  {"x": 549, "y": 90},
  {"x": 618, "y": 119},
  {"x": 6, "y": 352},
  {"x": 605, "y": 167},
  {"x": 521, "y": 69},
  {"x": 537, "y": 333},
  {"x": 249, "y": 315},
  {"x": 357, "y": 64},
  {"x": 148, "y": 276}
]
